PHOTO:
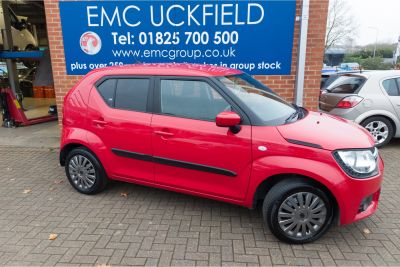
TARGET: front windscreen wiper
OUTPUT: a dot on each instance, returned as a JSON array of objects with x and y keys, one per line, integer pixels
[
  {"x": 292, "y": 116},
  {"x": 295, "y": 115}
]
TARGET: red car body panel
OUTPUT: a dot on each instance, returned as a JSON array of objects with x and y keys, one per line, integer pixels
[
  {"x": 117, "y": 129},
  {"x": 241, "y": 157},
  {"x": 166, "y": 69},
  {"x": 202, "y": 142},
  {"x": 328, "y": 131},
  {"x": 314, "y": 163}
]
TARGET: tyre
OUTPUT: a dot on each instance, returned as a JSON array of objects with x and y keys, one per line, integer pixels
[
  {"x": 30, "y": 63},
  {"x": 380, "y": 128},
  {"x": 297, "y": 212},
  {"x": 85, "y": 172}
]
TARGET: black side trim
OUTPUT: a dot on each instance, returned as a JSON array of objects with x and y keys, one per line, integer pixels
[
  {"x": 302, "y": 143},
  {"x": 172, "y": 162},
  {"x": 193, "y": 166},
  {"x": 132, "y": 155}
]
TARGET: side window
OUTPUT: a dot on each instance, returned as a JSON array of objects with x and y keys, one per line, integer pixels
[
  {"x": 391, "y": 87},
  {"x": 191, "y": 99},
  {"x": 131, "y": 94},
  {"x": 106, "y": 90}
]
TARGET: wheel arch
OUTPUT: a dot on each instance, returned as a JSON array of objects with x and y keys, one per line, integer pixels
[
  {"x": 68, "y": 148},
  {"x": 30, "y": 47},
  {"x": 268, "y": 183}
]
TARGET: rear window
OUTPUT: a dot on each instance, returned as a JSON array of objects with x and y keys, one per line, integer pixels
[
  {"x": 328, "y": 80},
  {"x": 346, "y": 84},
  {"x": 391, "y": 87},
  {"x": 125, "y": 93}
]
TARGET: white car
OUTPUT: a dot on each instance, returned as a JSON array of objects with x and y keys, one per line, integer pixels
[
  {"x": 22, "y": 38},
  {"x": 371, "y": 99}
]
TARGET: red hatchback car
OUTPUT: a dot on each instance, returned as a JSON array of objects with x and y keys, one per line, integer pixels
[{"x": 218, "y": 133}]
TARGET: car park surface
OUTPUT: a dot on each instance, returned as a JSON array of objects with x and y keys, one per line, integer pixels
[
  {"x": 216, "y": 132},
  {"x": 135, "y": 225}
]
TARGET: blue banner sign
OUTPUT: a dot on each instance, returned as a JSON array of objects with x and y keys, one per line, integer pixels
[{"x": 254, "y": 36}]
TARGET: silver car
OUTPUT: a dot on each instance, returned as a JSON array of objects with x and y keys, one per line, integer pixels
[{"x": 371, "y": 99}]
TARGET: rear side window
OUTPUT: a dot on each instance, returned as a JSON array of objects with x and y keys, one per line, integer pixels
[
  {"x": 125, "y": 93},
  {"x": 391, "y": 86},
  {"x": 132, "y": 94},
  {"x": 346, "y": 85},
  {"x": 106, "y": 90}
]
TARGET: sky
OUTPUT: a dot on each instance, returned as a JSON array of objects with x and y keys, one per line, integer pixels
[{"x": 384, "y": 15}]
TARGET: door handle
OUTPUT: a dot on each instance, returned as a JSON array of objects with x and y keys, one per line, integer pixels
[
  {"x": 100, "y": 122},
  {"x": 162, "y": 133}
]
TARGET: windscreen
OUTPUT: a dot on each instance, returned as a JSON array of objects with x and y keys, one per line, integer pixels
[{"x": 265, "y": 104}]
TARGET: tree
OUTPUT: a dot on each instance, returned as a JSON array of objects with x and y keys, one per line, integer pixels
[
  {"x": 340, "y": 26},
  {"x": 369, "y": 63}
]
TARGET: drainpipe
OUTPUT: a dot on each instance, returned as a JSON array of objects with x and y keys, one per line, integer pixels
[{"x": 301, "y": 58}]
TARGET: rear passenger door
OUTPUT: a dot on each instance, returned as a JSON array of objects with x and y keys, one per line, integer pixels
[
  {"x": 392, "y": 88},
  {"x": 120, "y": 117}
]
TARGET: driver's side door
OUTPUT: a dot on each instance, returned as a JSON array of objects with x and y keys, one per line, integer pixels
[{"x": 190, "y": 151}]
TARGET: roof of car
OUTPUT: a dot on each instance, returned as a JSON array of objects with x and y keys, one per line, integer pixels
[
  {"x": 169, "y": 69},
  {"x": 378, "y": 73}
]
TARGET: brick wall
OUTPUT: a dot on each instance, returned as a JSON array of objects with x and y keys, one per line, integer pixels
[{"x": 284, "y": 85}]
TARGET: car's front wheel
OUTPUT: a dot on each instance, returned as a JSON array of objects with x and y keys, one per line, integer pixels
[
  {"x": 297, "y": 212},
  {"x": 84, "y": 171},
  {"x": 380, "y": 128}
]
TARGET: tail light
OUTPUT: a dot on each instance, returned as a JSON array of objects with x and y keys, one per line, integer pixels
[
  {"x": 349, "y": 101},
  {"x": 321, "y": 92}
]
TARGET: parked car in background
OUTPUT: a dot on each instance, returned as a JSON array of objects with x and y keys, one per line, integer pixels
[
  {"x": 22, "y": 38},
  {"x": 371, "y": 99},
  {"x": 25, "y": 79},
  {"x": 350, "y": 66},
  {"x": 218, "y": 133}
]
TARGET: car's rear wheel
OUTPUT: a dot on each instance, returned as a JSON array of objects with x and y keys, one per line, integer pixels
[
  {"x": 380, "y": 128},
  {"x": 297, "y": 212},
  {"x": 84, "y": 171}
]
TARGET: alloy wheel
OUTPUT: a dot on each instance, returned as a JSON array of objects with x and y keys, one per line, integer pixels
[
  {"x": 379, "y": 130},
  {"x": 82, "y": 172},
  {"x": 302, "y": 215}
]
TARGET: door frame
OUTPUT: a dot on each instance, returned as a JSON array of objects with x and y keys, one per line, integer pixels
[
  {"x": 150, "y": 94},
  {"x": 157, "y": 95}
]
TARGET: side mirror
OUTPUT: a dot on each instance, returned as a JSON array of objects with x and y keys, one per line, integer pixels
[{"x": 228, "y": 119}]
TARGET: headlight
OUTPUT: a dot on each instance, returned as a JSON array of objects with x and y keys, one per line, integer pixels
[{"x": 358, "y": 163}]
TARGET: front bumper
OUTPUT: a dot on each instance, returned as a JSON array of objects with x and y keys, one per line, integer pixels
[{"x": 355, "y": 191}]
